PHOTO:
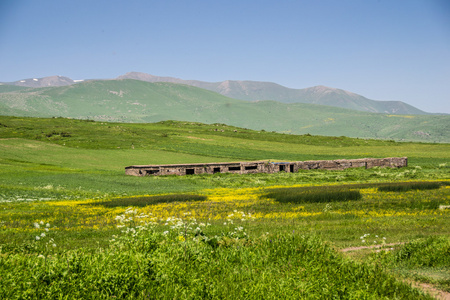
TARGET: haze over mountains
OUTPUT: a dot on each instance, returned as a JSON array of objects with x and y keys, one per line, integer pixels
[{"x": 256, "y": 91}]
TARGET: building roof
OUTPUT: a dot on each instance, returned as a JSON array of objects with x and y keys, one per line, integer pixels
[{"x": 198, "y": 164}]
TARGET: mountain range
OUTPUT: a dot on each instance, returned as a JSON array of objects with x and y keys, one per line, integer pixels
[
  {"x": 43, "y": 82},
  {"x": 129, "y": 100},
  {"x": 257, "y": 91}
]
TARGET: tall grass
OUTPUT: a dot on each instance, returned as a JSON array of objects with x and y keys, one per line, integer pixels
[
  {"x": 425, "y": 259},
  {"x": 433, "y": 251},
  {"x": 313, "y": 195},
  {"x": 188, "y": 263},
  {"x": 149, "y": 200},
  {"x": 408, "y": 186}
]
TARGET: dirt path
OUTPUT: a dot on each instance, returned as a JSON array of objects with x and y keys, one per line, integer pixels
[
  {"x": 438, "y": 294},
  {"x": 428, "y": 288},
  {"x": 369, "y": 247}
]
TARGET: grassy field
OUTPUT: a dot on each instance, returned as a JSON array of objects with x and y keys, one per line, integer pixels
[{"x": 73, "y": 225}]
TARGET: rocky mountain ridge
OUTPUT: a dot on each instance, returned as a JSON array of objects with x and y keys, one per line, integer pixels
[{"x": 43, "y": 82}]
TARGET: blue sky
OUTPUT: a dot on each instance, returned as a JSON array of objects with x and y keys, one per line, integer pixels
[{"x": 383, "y": 50}]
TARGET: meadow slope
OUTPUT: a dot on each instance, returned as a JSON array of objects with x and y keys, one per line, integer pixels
[{"x": 73, "y": 153}]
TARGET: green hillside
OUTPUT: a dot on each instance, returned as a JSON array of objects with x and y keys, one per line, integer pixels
[
  {"x": 214, "y": 140},
  {"x": 5, "y": 88},
  {"x": 138, "y": 101},
  {"x": 257, "y": 90},
  {"x": 8, "y": 111}
]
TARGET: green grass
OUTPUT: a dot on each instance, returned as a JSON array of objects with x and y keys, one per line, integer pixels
[
  {"x": 425, "y": 259},
  {"x": 270, "y": 258},
  {"x": 88, "y": 158},
  {"x": 430, "y": 252},
  {"x": 196, "y": 264},
  {"x": 294, "y": 252}
]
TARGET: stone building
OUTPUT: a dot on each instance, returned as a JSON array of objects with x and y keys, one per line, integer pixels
[{"x": 264, "y": 166}]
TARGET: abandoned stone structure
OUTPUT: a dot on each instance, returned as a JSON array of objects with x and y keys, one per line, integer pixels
[{"x": 265, "y": 166}]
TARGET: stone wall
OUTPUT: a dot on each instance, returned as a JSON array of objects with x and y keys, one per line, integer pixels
[{"x": 264, "y": 166}]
